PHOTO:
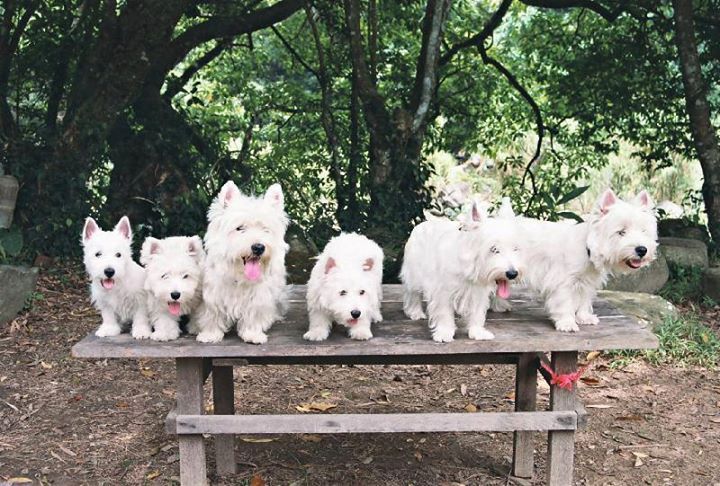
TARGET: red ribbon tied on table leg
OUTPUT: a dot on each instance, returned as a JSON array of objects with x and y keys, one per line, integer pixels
[{"x": 565, "y": 381}]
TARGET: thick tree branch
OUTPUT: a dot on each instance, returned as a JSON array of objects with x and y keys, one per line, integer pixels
[
  {"x": 294, "y": 53},
  {"x": 175, "y": 85},
  {"x": 603, "y": 11},
  {"x": 478, "y": 39}
]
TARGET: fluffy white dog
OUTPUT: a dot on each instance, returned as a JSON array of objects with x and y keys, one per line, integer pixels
[
  {"x": 345, "y": 287},
  {"x": 244, "y": 274},
  {"x": 456, "y": 266},
  {"x": 116, "y": 281},
  {"x": 568, "y": 262},
  {"x": 173, "y": 281}
]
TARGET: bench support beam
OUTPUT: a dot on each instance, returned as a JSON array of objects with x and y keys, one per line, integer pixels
[
  {"x": 525, "y": 401},
  {"x": 224, "y": 404},
  {"x": 561, "y": 444},
  {"x": 190, "y": 379}
]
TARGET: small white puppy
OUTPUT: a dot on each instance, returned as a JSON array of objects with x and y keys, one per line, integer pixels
[
  {"x": 173, "y": 282},
  {"x": 456, "y": 266},
  {"x": 116, "y": 281},
  {"x": 345, "y": 287}
]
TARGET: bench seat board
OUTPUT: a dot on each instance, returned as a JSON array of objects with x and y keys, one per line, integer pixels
[{"x": 525, "y": 329}]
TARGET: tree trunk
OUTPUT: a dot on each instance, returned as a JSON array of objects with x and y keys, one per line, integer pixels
[{"x": 698, "y": 108}]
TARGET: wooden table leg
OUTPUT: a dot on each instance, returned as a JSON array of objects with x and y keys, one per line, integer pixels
[
  {"x": 193, "y": 467},
  {"x": 525, "y": 401},
  {"x": 224, "y": 404},
  {"x": 561, "y": 444}
]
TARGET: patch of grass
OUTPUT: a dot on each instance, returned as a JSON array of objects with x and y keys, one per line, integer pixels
[
  {"x": 684, "y": 285},
  {"x": 683, "y": 339}
]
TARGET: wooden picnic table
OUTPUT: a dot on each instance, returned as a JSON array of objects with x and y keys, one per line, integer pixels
[{"x": 521, "y": 336}]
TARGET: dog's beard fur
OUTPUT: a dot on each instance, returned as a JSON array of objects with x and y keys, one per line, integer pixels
[
  {"x": 568, "y": 262},
  {"x": 173, "y": 265},
  {"x": 456, "y": 267},
  {"x": 241, "y": 286},
  {"x": 347, "y": 277},
  {"x": 119, "y": 297}
]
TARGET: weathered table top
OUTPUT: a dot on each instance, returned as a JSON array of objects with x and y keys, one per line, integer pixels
[{"x": 526, "y": 329}]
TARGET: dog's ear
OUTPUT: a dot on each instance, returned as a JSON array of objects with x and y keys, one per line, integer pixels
[
  {"x": 274, "y": 196},
  {"x": 477, "y": 212},
  {"x": 368, "y": 264},
  {"x": 229, "y": 193},
  {"x": 195, "y": 247},
  {"x": 643, "y": 200},
  {"x": 330, "y": 264},
  {"x": 90, "y": 228},
  {"x": 150, "y": 248},
  {"x": 607, "y": 199},
  {"x": 123, "y": 227},
  {"x": 506, "y": 210}
]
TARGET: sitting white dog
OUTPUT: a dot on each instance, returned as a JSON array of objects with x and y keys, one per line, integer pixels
[
  {"x": 567, "y": 262},
  {"x": 116, "y": 281},
  {"x": 345, "y": 287},
  {"x": 244, "y": 274},
  {"x": 173, "y": 281},
  {"x": 456, "y": 266}
]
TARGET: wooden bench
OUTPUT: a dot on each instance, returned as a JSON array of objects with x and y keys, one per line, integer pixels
[{"x": 519, "y": 336}]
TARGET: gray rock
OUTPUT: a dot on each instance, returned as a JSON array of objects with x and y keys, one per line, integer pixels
[
  {"x": 711, "y": 283},
  {"x": 681, "y": 228},
  {"x": 684, "y": 251},
  {"x": 648, "y": 308},
  {"x": 300, "y": 257},
  {"x": 649, "y": 279},
  {"x": 16, "y": 286}
]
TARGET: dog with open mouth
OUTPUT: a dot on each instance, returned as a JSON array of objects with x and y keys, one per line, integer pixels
[
  {"x": 116, "y": 281},
  {"x": 568, "y": 262},
  {"x": 244, "y": 271},
  {"x": 173, "y": 282},
  {"x": 345, "y": 287},
  {"x": 456, "y": 266}
]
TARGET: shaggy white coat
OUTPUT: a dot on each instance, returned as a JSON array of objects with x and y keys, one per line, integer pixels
[
  {"x": 173, "y": 282},
  {"x": 346, "y": 280},
  {"x": 120, "y": 299},
  {"x": 240, "y": 289}
]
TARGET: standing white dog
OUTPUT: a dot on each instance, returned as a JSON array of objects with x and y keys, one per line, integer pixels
[
  {"x": 456, "y": 266},
  {"x": 244, "y": 278},
  {"x": 568, "y": 262},
  {"x": 116, "y": 281},
  {"x": 173, "y": 281},
  {"x": 345, "y": 287}
]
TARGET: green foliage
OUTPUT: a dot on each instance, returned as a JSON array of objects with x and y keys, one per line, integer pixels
[
  {"x": 11, "y": 244},
  {"x": 684, "y": 284}
]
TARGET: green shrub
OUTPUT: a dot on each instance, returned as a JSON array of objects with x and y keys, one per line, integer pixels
[{"x": 684, "y": 285}]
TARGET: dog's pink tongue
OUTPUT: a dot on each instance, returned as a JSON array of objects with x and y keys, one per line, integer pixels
[
  {"x": 503, "y": 289},
  {"x": 108, "y": 283},
  {"x": 174, "y": 308},
  {"x": 252, "y": 270}
]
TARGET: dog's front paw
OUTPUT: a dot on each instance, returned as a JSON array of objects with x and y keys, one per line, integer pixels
[
  {"x": 165, "y": 335},
  {"x": 360, "y": 333},
  {"x": 210, "y": 336},
  {"x": 585, "y": 318},
  {"x": 567, "y": 325},
  {"x": 254, "y": 337},
  {"x": 443, "y": 335},
  {"x": 317, "y": 334},
  {"x": 480, "y": 333},
  {"x": 415, "y": 314},
  {"x": 108, "y": 330},
  {"x": 141, "y": 332}
]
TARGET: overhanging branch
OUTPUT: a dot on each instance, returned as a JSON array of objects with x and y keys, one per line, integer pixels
[{"x": 608, "y": 14}]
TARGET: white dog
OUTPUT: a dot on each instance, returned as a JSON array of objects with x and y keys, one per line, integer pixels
[
  {"x": 173, "y": 281},
  {"x": 116, "y": 281},
  {"x": 456, "y": 266},
  {"x": 568, "y": 262},
  {"x": 244, "y": 275},
  {"x": 345, "y": 286}
]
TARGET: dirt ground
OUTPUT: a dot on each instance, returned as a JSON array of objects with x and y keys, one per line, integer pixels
[{"x": 71, "y": 421}]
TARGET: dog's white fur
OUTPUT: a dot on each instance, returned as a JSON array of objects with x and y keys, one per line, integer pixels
[
  {"x": 346, "y": 278},
  {"x": 568, "y": 262},
  {"x": 456, "y": 266},
  {"x": 173, "y": 266},
  {"x": 238, "y": 287},
  {"x": 119, "y": 299}
]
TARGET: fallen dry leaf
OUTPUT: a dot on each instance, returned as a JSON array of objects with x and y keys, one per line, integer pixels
[
  {"x": 634, "y": 418},
  {"x": 257, "y": 441},
  {"x": 19, "y": 480},
  {"x": 315, "y": 406},
  {"x": 122, "y": 405},
  {"x": 45, "y": 365},
  {"x": 418, "y": 456},
  {"x": 463, "y": 389},
  {"x": 591, "y": 381},
  {"x": 325, "y": 393},
  {"x": 147, "y": 373},
  {"x": 592, "y": 355},
  {"x": 470, "y": 408},
  {"x": 153, "y": 475},
  {"x": 367, "y": 460},
  {"x": 715, "y": 420},
  {"x": 638, "y": 462},
  {"x": 600, "y": 405},
  {"x": 257, "y": 480}
]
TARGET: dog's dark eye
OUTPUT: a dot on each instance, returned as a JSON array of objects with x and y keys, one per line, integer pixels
[
  {"x": 185, "y": 276},
  {"x": 240, "y": 228},
  {"x": 165, "y": 275},
  {"x": 117, "y": 255},
  {"x": 494, "y": 249},
  {"x": 343, "y": 293},
  {"x": 98, "y": 254},
  {"x": 621, "y": 232},
  {"x": 362, "y": 292}
]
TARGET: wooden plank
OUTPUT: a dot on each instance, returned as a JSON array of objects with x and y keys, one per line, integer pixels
[
  {"x": 375, "y": 423},
  {"x": 190, "y": 401},
  {"x": 561, "y": 444},
  {"x": 224, "y": 404},
  {"x": 467, "y": 359},
  {"x": 525, "y": 401},
  {"x": 170, "y": 421}
]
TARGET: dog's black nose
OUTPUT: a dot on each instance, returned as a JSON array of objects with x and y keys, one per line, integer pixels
[
  {"x": 175, "y": 295},
  {"x": 641, "y": 251},
  {"x": 511, "y": 274},
  {"x": 109, "y": 272},
  {"x": 258, "y": 249},
  {"x": 355, "y": 313}
]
